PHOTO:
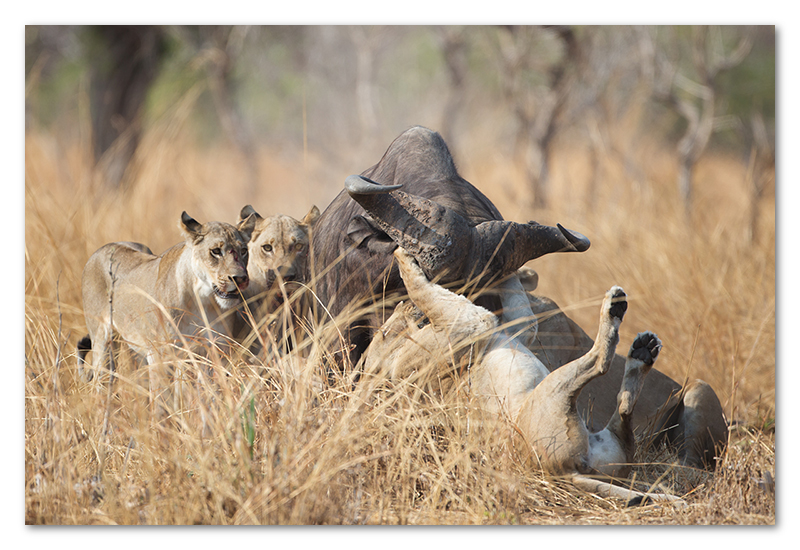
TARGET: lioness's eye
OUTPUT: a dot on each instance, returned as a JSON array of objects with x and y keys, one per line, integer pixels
[
  {"x": 299, "y": 247},
  {"x": 267, "y": 248},
  {"x": 216, "y": 252},
  {"x": 244, "y": 253}
]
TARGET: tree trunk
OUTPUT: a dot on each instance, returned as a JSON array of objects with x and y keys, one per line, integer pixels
[
  {"x": 455, "y": 57},
  {"x": 363, "y": 40},
  {"x": 222, "y": 90},
  {"x": 537, "y": 171},
  {"x": 126, "y": 63},
  {"x": 685, "y": 167}
]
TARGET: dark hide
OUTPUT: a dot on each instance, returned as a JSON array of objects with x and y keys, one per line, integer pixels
[{"x": 346, "y": 238}]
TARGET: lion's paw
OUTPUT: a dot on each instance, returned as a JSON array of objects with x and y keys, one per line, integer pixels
[
  {"x": 645, "y": 348},
  {"x": 615, "y": 302},
  {"x": 407, "y": 263}
]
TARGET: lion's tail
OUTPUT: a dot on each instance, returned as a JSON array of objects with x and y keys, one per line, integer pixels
[{"x": 84, "y": 347}]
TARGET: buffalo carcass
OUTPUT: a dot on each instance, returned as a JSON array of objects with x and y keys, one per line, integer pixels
[
  {"x": 455, "y": 232},
  {"x": 415, "y": 197}
]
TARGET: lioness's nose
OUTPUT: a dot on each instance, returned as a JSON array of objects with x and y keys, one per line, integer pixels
[
  {"x": 288, "y": 274},
  {"x": 240, "y": 281}
]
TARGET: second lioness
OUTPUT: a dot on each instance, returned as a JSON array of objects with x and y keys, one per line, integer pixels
[{"x": 279, "y": 247}]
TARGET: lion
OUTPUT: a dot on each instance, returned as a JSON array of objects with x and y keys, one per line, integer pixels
[
  {"x": 278, "y": 268},
  {"x": 507, "y": 379},
  {"x": 150, "y": 301}
]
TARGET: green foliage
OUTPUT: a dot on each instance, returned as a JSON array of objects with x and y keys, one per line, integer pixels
[
  {"x": 750, "y": 86},
  {"x": 53, "y": 77},
  {"x": 249, "y": 425},
  {"x": 177, "y": 75},
  {"x": 741, "y": 89}
]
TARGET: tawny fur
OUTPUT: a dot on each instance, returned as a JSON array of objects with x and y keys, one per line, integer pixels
[
  {"x": 690, "y": 418},
  {"x": 278, "y": 270},
  {"x": 152, "y": 301}
]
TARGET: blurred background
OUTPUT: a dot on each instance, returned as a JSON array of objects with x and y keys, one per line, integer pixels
[
  {"x": 657, "y": 142},
  {"x": 337, "y": 95}
]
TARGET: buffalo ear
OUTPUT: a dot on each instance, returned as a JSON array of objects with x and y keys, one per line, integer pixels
[
  {"x": 359, "y": 230},
  {"x": 381, "y": 244},
  {"x": 363, "y": 234},
  {"x": 312, "y": 217},
  {"x": 528, "y": 277},
  {"x": 191, "y": 227},
  {"x": 248, "y": 211}
]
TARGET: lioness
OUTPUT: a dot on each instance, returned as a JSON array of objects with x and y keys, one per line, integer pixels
[
  {"x": 279, "y": 247},
  {"x": 150, "y": 301},
  {"x": 507, "y": 378}
]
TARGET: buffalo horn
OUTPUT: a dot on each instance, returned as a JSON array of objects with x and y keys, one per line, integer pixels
[
  {"x": 506, "y": 246},
  {"x": 359, "y": 185},
  {"x": 443, "y": 242},
  {"x": 436, "y": 236}
]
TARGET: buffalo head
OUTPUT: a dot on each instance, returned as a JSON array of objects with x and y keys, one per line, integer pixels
[
  {"x": 446, "y": 246},
  {"x": 415, "y": 197}
]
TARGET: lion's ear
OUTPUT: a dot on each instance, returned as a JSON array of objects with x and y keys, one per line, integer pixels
[
  {"x": 247, "y": 225},
  {"x": 312, "y": 217},
  {"x": 191, "y": 227},
  {"x": 246, "y": 212}
]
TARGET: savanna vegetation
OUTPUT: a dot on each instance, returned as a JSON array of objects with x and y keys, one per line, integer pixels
[{"x": 278, "y": 118}]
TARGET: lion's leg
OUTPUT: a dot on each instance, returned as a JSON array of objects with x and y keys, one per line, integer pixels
[
  {"x": 451, "y": 313},
  {"x": 641, "y": 357},
  {"x": 159, "y": 384},
  {"x": 390, "y": 337},
  {"x": 606, "y": 490},
  {"x": 99, "y": 343},
  {"x": 614, "y": 446},
  {"x": 84, "y": 347},
  {"x": 549, "y": 417},
  {"x": 567, "y": 381}
]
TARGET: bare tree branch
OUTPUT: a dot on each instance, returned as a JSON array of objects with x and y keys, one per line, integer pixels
[{"x": 698, "y": 109}]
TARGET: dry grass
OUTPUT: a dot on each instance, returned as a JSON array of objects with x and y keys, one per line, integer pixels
[{"x": 280, "y": 449}]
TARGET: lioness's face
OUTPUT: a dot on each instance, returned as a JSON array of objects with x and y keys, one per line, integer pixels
[
  {"x": 278, "y": 248},
  {"x": 219, "y": 259}
]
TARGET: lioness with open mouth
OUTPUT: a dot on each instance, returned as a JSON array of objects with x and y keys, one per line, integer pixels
[{"x": 151, "y": 301}]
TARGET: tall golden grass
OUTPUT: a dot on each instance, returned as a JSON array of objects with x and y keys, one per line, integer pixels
[{"x": 261, "y": 441}]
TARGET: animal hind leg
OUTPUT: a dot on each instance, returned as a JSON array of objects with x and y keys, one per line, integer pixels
[
  {"x": 99, "y": 344},
  {"x": 568, "y": 380},
  {"x": 549, "y": 416},
  {"x": 159, "y": 377},
  {"x": 84, "y": 347},
  {"x": 641, "y": 357},
  {"x": 705, "y": 430},
  {"x": 695, "y": 425},
  {"x": 605, "y": 489}
]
